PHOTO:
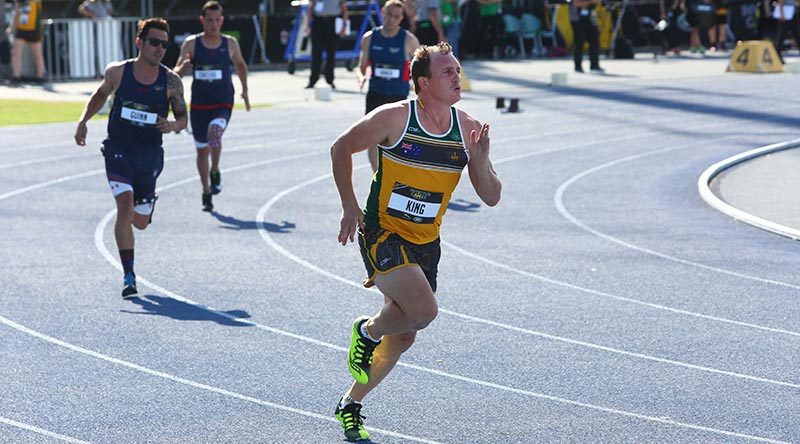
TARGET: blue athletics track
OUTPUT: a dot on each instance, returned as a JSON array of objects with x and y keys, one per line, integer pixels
[{"x": 602, "y": 301}]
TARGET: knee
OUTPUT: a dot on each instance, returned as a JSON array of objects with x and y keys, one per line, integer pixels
[
  {"x": 425, "y": 316},
  {"x": 125, "y": 215}
]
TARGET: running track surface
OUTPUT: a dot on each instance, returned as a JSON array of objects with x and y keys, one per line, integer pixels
[{"x": 600, "y": 301}]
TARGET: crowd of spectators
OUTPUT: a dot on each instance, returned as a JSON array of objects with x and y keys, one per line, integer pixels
[{"x": 492, "y": 28}]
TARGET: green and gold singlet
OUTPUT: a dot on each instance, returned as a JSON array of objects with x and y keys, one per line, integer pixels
[{"x": 415, "y": 180}]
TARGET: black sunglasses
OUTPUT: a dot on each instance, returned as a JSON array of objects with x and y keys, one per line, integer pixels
[{"x": 155, "y": 42}]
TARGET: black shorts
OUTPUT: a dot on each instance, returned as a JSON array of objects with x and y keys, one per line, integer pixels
[
  {"x": 375, "y": 100},
  {"x": 384, "y": 251},
  {"x": 200, "y": 120},
  {"x": 135, "y": 167},
  {"x": 29, "y": 36}
]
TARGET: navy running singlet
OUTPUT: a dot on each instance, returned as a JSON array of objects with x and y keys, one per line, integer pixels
[
  {"x": 136, "y": 108},
  {"x": 212, "y": 87},
  {"x": 390, "y": 66}
]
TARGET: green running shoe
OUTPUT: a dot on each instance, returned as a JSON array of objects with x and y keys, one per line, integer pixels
[
  {"x": 359, "y": 359},
  {"x": 352, "y": 421}
]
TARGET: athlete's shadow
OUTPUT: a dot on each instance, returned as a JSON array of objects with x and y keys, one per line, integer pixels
[
  {"x": 232, "y": 223},
  {"x": 181, "y": 311},
  {"x": 463, "y": 205}
]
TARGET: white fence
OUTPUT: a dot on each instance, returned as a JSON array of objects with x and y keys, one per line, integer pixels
[{"x": 81, "y": 48}]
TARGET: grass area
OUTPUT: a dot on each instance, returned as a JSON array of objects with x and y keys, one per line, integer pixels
[{"x": 27, "y": 112}]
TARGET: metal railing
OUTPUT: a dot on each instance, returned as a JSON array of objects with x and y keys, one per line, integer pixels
[{"x": 81, "y": 48}]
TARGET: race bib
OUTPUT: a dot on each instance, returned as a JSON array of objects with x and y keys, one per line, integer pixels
[
  {"x": 138, "y": 116},
  {"x": 387, "y": 73},
  {"x": 418, "y": 206},
  {"x": 208, "y": 75},
  {"x": 319, "y": 6},
  {"x": 23, "y": 19}
]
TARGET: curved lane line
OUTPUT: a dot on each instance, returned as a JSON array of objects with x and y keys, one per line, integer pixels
[
  {"x": 185, "y": 381},
  {"x": 40, "y": 431},
  {"x": 704, "y": 181},
  {"x": 559, "y": 202},
  {"x": 271, "y": 242}
]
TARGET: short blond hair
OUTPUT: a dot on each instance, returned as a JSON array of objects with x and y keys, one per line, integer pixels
[
  {"x": 421, "y": 62},
  {"x": 397, "y": 3}
]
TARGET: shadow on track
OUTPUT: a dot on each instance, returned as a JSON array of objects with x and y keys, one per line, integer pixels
[
  {"x": 181, "y": 311},
  {"x": 233, "y": 223}
]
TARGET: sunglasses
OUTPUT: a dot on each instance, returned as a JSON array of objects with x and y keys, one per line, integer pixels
[{"x": 154, "y": 42}]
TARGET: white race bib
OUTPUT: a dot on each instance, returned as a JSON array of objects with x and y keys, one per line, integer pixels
[
  {"x": 387, "y": 73},
  {"x": 208, "y": 74},
  {"x": 23, "y": 19},
  {"x": 319, "y": 6},
  {"x": 415, "y": 210},
  {"x": 137, "y": 116}
]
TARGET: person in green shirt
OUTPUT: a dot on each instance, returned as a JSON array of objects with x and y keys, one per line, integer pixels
[{"x": 491, "y": 24}]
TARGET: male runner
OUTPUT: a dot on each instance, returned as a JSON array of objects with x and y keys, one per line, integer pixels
[
  {"x": 423, "y": 146},
  {"x": 386, "y": 50},
  {"x": 212, "y": 55},
  {"x": 144, "y": 90}
]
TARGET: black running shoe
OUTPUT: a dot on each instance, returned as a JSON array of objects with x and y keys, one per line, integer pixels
[
  {"x": 207, "y": 205},
  {"x": 216, "y": 182},
  {"x": 352, "y": 421},
  {"x": 129, "y": 286}
]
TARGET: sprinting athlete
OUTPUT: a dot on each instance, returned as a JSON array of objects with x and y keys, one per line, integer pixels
[
  {"x": 423, "y": 146},
  {"x": 143, "y": 90},
  {"x": 211, "y": 54},
  {"x": 386, "y": 51}
]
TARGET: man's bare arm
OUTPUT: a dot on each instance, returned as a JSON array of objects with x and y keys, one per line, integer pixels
[
  {"x": 241, "y": 69},
  {"x": 184, "y": 63},
  {"x": 111, "y": 79},
  {"x": 178, "y": 104}
]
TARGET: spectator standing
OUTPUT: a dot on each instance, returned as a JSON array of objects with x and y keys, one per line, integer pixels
[
  {"x": 27, "y": 30},
  {"x": 491, "y": 25},
  {"x": 96, "y": 9},
  {"x": 718, "y": 32},
  {"x": 5, "y": 45},
  {"x": 322, "y": 16},
  {"x": 428, "y": 25},
  {"x": 451, "y": 23},
  {"x": 788, "y": 20},
  {"x": 583, "y": 16}
]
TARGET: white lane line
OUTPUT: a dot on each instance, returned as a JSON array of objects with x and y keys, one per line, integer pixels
[
  {"x": 260, "y": 218},
  {"x": 40, "y": 430},
  {"x": 189, "y": 382},
  {"x": 704, "y": 182},
  {"x": 559, "y": 203}
]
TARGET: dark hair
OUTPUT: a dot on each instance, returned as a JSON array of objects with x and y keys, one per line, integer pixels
[
  {"x": 212, "y": 5},
  {"x": 421, "y": 62},
  {"x": 144, "y": 26}
]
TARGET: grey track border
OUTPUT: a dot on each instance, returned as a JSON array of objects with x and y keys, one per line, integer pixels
[{"x": 704, "y": 181}]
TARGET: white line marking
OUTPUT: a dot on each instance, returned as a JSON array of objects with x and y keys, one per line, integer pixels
[
  {"x": 271, "y": 242},
  {"x": 718, "y": 204},
  {"x": 189, "y": 382},
  {"x": 559, "y": 202},
  {"x": 39, "y": 430}
]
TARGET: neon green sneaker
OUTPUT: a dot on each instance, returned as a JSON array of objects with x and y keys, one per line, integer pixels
[
  {"x": 352, "y": 421},
  {"x": 359, "y": 359}
]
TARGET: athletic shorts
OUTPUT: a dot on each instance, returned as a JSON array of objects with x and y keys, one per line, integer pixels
[
  {"x": 384, "y": 251},
  {"x": 28, "y": 36},
  {"x": 375, "y": 100},
  {"x": 202, "y": 118},
  {"x": 133, "y": 169}
]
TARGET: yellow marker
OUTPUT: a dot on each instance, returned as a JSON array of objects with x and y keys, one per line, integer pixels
[
  {"x": 755, "y": 56},
  {"x": 465, "y": 85}
]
